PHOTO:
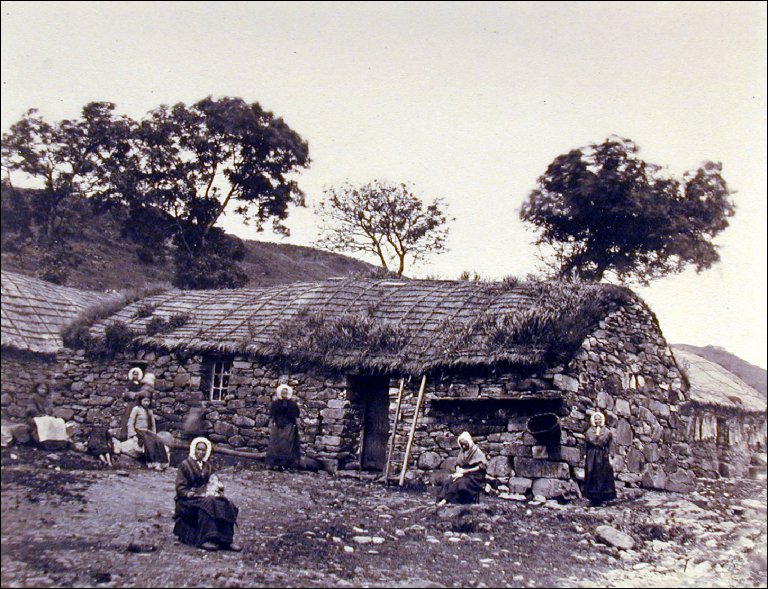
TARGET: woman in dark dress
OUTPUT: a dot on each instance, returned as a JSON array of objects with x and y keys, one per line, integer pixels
[
  {"x": 204, "y": 517},
  {"x": 466, "y": 483},
  {"x": 283, "y": 450},
  {"x": 599, "y": 485}
]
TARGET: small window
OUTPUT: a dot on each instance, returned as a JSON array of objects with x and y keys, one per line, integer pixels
[{"x": 220, "y": 370}]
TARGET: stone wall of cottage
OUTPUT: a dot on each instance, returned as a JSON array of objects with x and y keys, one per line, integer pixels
[
  {"x": 20, "y": 372},
  {"x": 723, "y": 442},
  {"x": 624, "y": 369},
  {"x": 90, "y": 392}
]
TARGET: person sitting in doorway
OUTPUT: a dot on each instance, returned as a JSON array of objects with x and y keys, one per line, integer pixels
[{"x": 466, "y": 482}]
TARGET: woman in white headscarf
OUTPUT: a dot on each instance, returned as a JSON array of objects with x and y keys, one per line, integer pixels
[
  {"x": 204, "y": 517},
  {"x": 599, "y": 484},
  {"x": 284, "y": 450},
  {"x": 465, "y": 484}
]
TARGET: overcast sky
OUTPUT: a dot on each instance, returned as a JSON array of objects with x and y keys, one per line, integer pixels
[{"x": 469, "y": 102}]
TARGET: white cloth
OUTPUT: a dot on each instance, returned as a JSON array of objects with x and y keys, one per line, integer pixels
[{"x": 51, "y": 429}]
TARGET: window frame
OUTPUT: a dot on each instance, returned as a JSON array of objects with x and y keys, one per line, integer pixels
[{"x": 219, "y": 380}]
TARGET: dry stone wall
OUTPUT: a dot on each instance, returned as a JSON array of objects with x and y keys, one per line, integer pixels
[
  {"x": 623, "y": 369},
  {"x": 20, "y": 372}
]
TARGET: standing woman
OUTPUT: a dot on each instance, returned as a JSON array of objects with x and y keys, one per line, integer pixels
[
  {"x": 284, "y": 451},
  {"x": 599, "y": 485},
  {"x": 466, "y": 483},
  {"x": 204, "y": 517}
]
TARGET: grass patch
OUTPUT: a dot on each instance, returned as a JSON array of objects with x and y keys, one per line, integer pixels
[
  {"x": 159, "y": 325},
  {"x": 77, "y": 333},
  {"x": 317, "y": 335}
]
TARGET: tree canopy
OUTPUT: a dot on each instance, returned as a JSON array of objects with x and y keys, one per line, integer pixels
[
  {"x": 385, "y": 220},
  {"x": 601, "y": 209},
  {"x": 176, "y": 171}
]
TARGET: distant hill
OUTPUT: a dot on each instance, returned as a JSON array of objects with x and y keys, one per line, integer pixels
[
  {"x": 100, "y": 258},
  {"x": 754, "y": 376}
]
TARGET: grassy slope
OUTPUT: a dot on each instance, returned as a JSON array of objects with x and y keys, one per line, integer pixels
[
  {"x": 754, "y": 376},
  {"x": 102, "y": 259}
]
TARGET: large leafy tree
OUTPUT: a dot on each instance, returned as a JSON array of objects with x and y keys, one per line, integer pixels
[
  {"x": 602, "y": 210},
  {"x": 192, "y": 162},
  {"x": 65, "y": 159},
  {"x": 387, "y": 221}
]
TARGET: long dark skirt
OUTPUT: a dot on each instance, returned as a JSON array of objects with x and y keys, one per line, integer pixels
[
  {"x": 463, "y": 490},
  {"x": 155, "y": 450},
  {"x": 205, "y": 519},
  {"x": 283, "y": 447},
  {"x": 599, "y": 485}
]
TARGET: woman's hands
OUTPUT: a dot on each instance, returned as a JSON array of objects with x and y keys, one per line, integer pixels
[{"x": 458, "y": 474}]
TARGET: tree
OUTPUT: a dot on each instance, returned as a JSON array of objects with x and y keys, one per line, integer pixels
[
  {"x": 65, "y": 157},
  {"x": 601, "y": 209},
  {"x": 191, "y": 162},
  {"x": 382, "y": 219}
]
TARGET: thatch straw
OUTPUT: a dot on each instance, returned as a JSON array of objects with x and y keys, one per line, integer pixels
[{"x": 383, "y": 325}]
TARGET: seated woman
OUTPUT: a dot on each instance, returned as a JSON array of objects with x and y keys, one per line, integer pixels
[
  {"x": 204, "y": 517},
  {"x": 465, "y": 484},
  {"x": 46, "y": 430},
  {"x": 142, "y": 436}
]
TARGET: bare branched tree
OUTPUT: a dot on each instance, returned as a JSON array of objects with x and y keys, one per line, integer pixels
[{"x": 384, "y": 220}]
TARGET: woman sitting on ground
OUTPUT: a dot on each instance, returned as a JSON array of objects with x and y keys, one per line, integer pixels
[
  {"x": 204, "y": 517},
  {"x": 466, "y": 483},
  {"x": 142, "y": 436}
]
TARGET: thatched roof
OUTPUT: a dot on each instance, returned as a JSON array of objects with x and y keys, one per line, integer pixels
[
  {"x": 383, "y": 325},
  {"x": 714, "y": 386},
  {"x": 33, "y": 312}
]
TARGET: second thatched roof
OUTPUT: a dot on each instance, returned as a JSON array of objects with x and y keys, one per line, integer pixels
[{"x": 34, "y": 311}]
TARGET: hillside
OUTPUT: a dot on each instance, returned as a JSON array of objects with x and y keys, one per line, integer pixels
[
  {"x": 754, "y": 376},
  {"x": 99, "y": 257}
]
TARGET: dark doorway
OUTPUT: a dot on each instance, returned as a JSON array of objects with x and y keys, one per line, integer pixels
[{"x": 371, "y": 394}]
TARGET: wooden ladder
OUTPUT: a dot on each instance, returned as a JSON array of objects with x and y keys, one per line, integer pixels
[{"x": 401, "y": 416}]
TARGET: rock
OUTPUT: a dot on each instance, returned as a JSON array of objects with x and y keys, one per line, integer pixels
[
  {"x": 653, "y": 477},
  {"x": 362, "y": 539},
  {"x": 20, "y": 433},
  {"x": 519, "y": 485},
  {"x": 681, "y": 481},
  {"x": 566, "y": 383},
  {"x": 512, "y": 497},
  {"x": 498, "y": 467},
  {"x": 623, "y": 433},
  {"x": 430, "y": 461},
  {"x": 537, "y": 469},
  {"x": 634, "y": 460},
  {"x": 604, "y": 400},
  {"x": 614, "y": 537},
  {"x": 243, "y": 421},
  {"x": 6, "y": 437},
  {"x": 622, "y": 407},
  {"x": 554, "y": 488},
  {"x": 571, "y": 455}
]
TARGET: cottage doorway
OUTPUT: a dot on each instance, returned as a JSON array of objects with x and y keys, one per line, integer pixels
[{"x": 372, "y": 392}]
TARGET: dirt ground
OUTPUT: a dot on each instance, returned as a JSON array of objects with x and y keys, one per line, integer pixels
[{"x": 67, "y": 522}]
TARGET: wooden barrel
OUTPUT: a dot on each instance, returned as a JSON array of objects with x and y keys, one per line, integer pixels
[{"x": 545, "y": 427}]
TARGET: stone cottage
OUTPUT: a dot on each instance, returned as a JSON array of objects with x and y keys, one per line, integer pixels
[
  {"x": 520, "y": 365},
  {"x": 33, "y": 313},
  {"x": 725, "y": 419}
]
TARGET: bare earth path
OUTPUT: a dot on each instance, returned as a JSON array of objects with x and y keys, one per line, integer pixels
[{"x": 77, "y": 526}]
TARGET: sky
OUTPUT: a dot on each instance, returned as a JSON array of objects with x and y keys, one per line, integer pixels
[{"x": 468, "y": 102}]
